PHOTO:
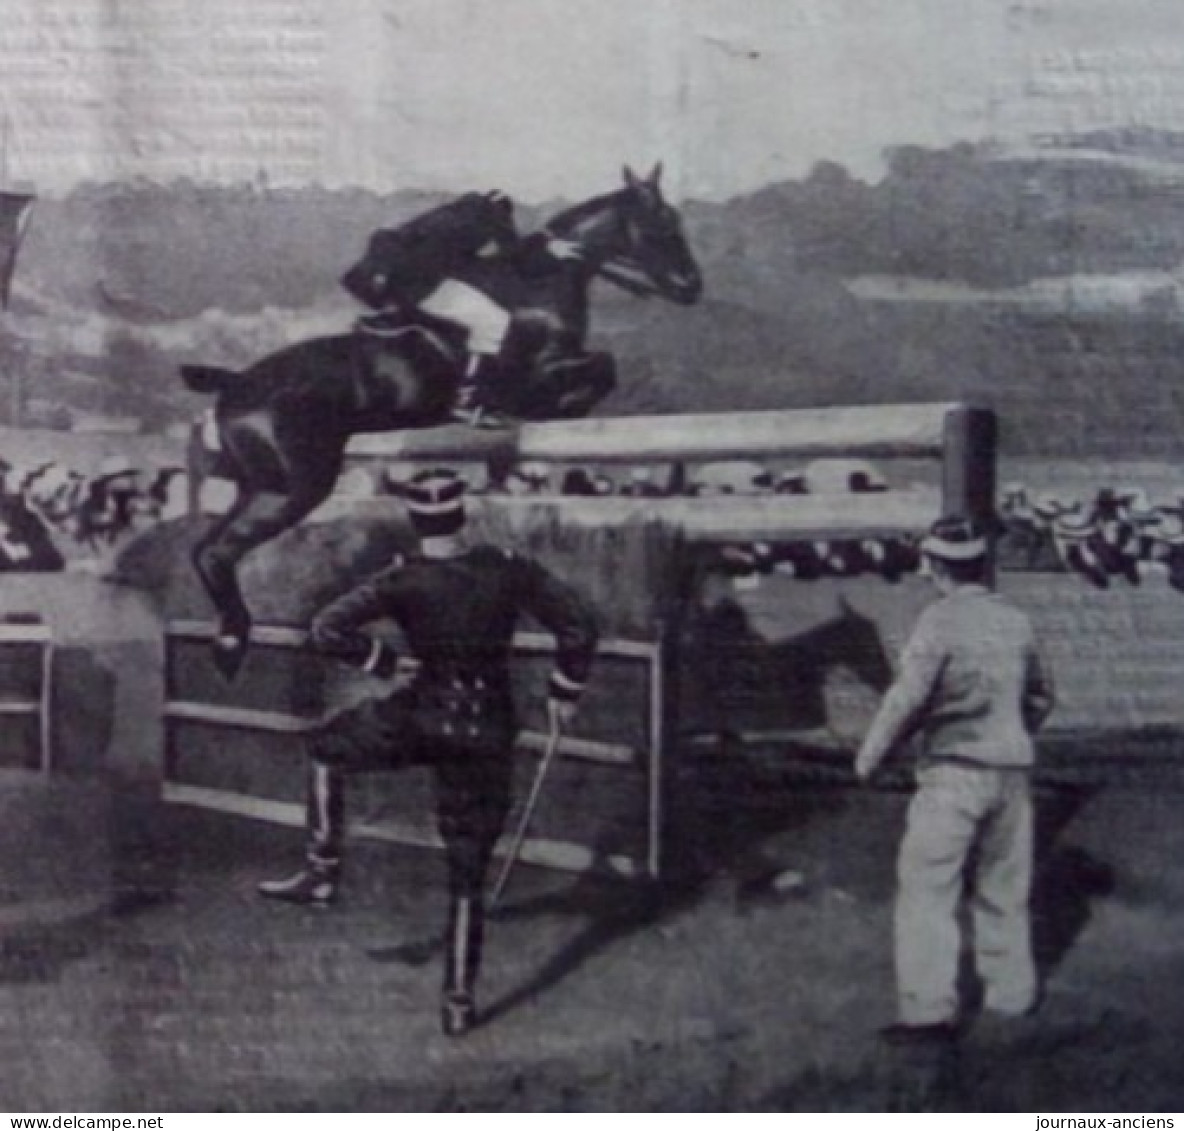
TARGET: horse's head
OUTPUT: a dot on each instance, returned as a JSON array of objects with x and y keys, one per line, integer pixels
[
  {"x": 634, "y": 238},
  {"x": 655, "y": 257}
]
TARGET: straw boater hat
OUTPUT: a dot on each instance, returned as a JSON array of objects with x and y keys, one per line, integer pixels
[
  {"x": 396, "y": 474},
  {"x": 1168, "y": 526},
  {"x": 1049, "y": 506},
  {"x": 115, "y": 467},
  {"x": 955, "y": 540},
  {"x": 436, "y": 502},
  {"x": 1074, "y": 525},
  {"x": 1137, "y": 504},
  {"x": 791, "y": 483},
  {"x": 534, "y": 473}
]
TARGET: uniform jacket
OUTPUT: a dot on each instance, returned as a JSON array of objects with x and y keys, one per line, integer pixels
[
  {"x": 403, "y": 265},
  {"x": 458, "y": 617},
  {"x": 971, "y": 678}
]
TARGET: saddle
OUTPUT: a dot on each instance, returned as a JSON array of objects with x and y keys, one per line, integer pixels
[
  {"x": 435, "y": 348},
  {"x": 427, "y": 343}
]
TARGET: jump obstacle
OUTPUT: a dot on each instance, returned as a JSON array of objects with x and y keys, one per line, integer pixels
[{"x": 957, "y": 439}]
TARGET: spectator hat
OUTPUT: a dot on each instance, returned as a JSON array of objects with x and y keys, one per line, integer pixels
[
  {"x": 955, "y": 539},
  {"x": 115, "y": 467}
]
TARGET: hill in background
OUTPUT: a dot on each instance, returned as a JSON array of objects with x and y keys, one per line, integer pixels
[{"x": 1045, "y": 283}]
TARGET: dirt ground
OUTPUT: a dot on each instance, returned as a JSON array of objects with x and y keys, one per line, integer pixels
[{"x": 139, "y": 971}]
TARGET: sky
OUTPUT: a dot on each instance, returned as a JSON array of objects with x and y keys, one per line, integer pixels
[{"x": 548, "y": 98}]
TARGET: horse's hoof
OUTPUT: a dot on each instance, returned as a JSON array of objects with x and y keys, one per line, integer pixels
[{"x": 229, "y": 651}]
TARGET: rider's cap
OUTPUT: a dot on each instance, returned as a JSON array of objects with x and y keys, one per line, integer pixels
[
  {"x": 436, "y": 501},
  {"x": 955, "y": 540}
]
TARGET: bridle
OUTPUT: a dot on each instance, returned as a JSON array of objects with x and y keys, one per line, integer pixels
[{"x": 619, "y": 268}]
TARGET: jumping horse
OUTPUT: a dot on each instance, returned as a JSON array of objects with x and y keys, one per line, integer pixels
[{"x": 283, "y": 423}]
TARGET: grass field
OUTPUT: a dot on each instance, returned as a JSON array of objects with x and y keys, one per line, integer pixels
[{"x": 139, "y": 972}]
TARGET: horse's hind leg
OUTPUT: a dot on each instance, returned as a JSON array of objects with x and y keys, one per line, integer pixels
[{"x": 255, "y": 518}]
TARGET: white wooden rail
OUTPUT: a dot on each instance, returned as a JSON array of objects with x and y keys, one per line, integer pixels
[{"x": 960, "y": 438}]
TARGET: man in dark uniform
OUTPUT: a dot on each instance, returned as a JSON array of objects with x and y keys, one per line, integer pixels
[
  {"x": 458, "y": 609},
  {"x": 414, "y": 267}
]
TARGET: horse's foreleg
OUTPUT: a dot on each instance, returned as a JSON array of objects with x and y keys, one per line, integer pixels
[
  {"x": 254, "y": 519},
  {"x": 215, "y": 568},
  {"x": 570, "y": 387}
]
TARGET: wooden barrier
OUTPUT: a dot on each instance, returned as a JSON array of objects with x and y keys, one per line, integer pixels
[
  {"x": 958, "y": 436},
  {"x": 959, "y": 439},
  {"x": 863, "y": 431},
  {"x": 891, "y": 431},
  {"x": 184, "y": 710},
  {"x": 26, "y": 688}
]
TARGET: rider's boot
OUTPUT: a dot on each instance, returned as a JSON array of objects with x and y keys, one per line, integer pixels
[
  {"x": 472, "y": 395},
  {"x": 315, "y": 884}
]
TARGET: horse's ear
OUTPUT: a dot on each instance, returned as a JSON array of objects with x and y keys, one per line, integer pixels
[
  {"x": 631, "y": 178},
  {"x": 655, "y": 176}
]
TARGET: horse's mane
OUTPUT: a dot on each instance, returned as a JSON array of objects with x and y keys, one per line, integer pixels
[{"x": 572, "y": 217}]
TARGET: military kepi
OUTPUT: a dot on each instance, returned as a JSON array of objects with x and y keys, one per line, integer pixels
[{"x": 436, "y": 502}]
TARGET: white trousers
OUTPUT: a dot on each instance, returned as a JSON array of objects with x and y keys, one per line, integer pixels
[
  {"x": 959, "y": 808},
  {"x": 486, "y": 322}
]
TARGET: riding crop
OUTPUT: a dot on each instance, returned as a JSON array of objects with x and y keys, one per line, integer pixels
[{"x": 527, "y": 812}]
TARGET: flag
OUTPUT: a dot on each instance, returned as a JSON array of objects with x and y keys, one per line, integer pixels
[{"x": 15, "y": 209}]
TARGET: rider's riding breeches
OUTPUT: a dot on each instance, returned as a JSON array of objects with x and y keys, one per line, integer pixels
[
  {"x": 486, "y": 322},
  {"x": 472, "y": 789}
]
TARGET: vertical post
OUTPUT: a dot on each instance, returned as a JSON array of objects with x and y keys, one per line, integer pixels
[
  {"x": 168, "y": 681},
  {"x": 656, "y": 740},
  {"x": 198, "y": 465},
  {"x": 45, "y": 707},
  {"x": 968, "y": 467},
  {"x": 968, "y": 471}
]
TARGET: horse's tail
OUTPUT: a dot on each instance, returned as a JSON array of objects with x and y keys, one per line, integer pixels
[{"x": 207, "y": 378}]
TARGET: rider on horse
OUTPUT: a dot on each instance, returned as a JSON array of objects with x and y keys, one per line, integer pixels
[{"x": 416, "y": 267}]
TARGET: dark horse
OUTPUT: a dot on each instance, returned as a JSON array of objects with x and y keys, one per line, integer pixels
[{"x": 284, "y": 422}]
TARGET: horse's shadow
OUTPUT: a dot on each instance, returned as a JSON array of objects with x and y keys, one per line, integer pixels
[
  {"x": 740, "y": 680},
  {"x": 39, "y": 951},
  {"x": 772, "y": 717},
  {"x": 716, "y": 826}
]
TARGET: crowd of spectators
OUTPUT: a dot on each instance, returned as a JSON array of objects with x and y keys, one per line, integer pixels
[{"x": 50, "y": 513}]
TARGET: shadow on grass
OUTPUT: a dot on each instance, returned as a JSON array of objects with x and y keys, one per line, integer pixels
[
  {"x": 1068, "y": 878},
  {"x": 38, "y": 952}
]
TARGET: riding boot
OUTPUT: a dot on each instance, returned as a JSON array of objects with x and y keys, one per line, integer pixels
[
  {"x": 315, "y": 884},
  {"x": 458, "y": 1010},
  {"x": 472, "y": 394}
]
